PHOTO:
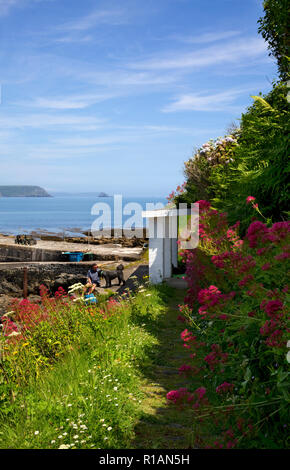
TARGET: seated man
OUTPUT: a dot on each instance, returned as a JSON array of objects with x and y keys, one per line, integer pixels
[{"x": 93, "y": 279}]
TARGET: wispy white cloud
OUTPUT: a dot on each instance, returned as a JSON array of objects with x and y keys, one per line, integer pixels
[
  {"x": 221, "y": 101},
  {"x": 238, "y": 52},
  {"x": 67, "y": 102},
  {"x": 84, "y": 23},
  {"x": 204, "y": 38},
  {"x": 44, "y": 121},
  {"x": 69, "y": 38},
  {"x": 76, "y": 29},
  {"x": 81, "y": 29}
]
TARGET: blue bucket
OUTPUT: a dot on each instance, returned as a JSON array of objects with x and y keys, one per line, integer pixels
[{"x": 90, "y": 299}]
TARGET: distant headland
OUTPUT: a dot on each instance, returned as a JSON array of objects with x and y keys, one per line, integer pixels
[{"x": 23, "y": 191}]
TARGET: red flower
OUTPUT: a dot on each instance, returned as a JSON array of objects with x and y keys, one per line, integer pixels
[
  {"x": 225, "y": 387},
  {"x": 250, "y": 199}
]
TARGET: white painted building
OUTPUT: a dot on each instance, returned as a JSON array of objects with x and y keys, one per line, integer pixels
[{"x": 163, "y": 236}]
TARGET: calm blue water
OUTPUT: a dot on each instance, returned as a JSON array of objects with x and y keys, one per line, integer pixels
[{"x": 58, "y": 214}]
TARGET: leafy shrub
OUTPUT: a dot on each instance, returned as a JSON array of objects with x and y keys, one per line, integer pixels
[
  {"x": 237, "y": 313},
  {"x": 207, "y": 170},
  {"x": 274, "y": 29},
  {"x": 262, "y": 163}
]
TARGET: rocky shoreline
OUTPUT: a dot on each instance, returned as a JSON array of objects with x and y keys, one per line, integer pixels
[
  {"x": 86, "y": 237},
  {"x": 55, "y": 275}
]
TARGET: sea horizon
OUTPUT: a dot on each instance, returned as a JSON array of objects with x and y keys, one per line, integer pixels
[{"x": 70, "y": 213}]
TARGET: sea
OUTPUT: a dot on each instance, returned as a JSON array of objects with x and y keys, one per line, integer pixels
[{"x": 72, "y": 215}]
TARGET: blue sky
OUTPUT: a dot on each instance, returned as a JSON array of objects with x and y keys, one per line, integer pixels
[{"x": 115, "y": 95}]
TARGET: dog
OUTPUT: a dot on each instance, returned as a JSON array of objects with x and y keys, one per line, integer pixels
[{"x": 110, "y": 275}]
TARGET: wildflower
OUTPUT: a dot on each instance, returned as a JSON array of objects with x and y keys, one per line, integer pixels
[
  {"x": 185, "y": 369},
  {"x": 250, "y": 199},
  {"x": 181, "y": 318},
  {"x": 272, "y": 307},
  {"x": 64, "y": 446},
  {"x": 225, "y": 387},
  {"x": 36, "y": 433}
]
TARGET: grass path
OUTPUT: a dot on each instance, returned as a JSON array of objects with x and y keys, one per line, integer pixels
[{"x": 162, "y": 426}]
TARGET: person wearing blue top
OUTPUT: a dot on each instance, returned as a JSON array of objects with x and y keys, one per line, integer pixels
[{"x": 93, "y": 278}]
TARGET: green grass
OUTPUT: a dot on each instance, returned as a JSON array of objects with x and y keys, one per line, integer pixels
[
  {"x": 110, "y": 390},
  {"x": 92, "y": 397}
]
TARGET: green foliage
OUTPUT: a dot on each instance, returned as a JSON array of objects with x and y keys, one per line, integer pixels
[
  {"x": 237, "y": 309},
  {"x": 208, "y": 169},
  {"x": 86, "y": 393},
  {"x": 274, "y": 29},
  {"x": 252, "y": 161},
  {"x": 261, "y": 160}
]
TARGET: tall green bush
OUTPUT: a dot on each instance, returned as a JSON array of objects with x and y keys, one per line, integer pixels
[
  {"x": 274, "y": 29},
  {"x": 261, "y": 159}
]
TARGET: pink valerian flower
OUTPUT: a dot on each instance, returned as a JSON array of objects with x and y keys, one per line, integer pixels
[
  {"x": 188, "y": 338},
  {"x": 250, "y": 199},
  {"x": 272, "y": 307},
  {"x": 9, "y": 326},
  {"x": 181, "y": 318},
  {"x": 280, "y": 231},
  {"x": 261, "y": 251},
  {"x": 200, "y": 392},
  {"x": 183, "y": 397},
  {"x": 282, "y": 256},
  {"x": 275, "y": 339},
  {"x": 215, "y": 357},
  {"x": 257, "y": 233},
  {"x": 234, "y": 261},
  {"x": 188, "y": 370},
  {"x": 179, "y": 397},
  {"x": 223, "y": 316},
  {"x": 225, "y": 387},
  {"x": 184, "y": 369},
  {"x": 209, "y": 296},
  {"x": 266, "y": 266},
  {"x": 203, "y": 205},
  {"x": 246, "y": 280},
  {"x": 60, "y": 293},
  {"x": 274, "y": 330}
]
